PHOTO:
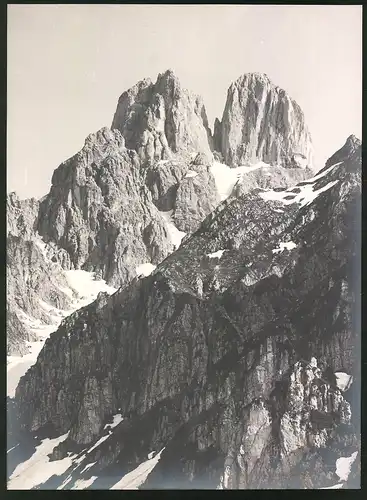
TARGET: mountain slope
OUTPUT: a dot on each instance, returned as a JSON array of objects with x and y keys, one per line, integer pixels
[{"x": 225, "y": 356}]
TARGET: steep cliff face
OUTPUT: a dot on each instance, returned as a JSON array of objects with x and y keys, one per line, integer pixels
[
  {"x": 100, "y": 211},
  {"x": 187, "y": 189},
  {"x": 21, "y": 216},
  {"x": 160, "y": 119},
  {"x": 226, "y": 355},
  {"x": 17, "y": 335},
  {"x": 30, "y": 278},
  {"x": 33, "y": 274},
  {"x": 262, "y": 123}
]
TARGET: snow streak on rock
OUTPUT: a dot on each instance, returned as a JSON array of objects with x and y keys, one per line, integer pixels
[
  {"x": 135, "y": 478},
  {"x": 87, "y": 288}
]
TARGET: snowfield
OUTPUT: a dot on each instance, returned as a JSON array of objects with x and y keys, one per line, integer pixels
[
  {"x": 343, "y": 380},
  {"x": 145, "y": 269},
  {"x": 38, "y": 469},
  {"x": 343, "y": 466},
  {"x": 226, "y": 177},
  {"x": 306, "y": 195},
  {"x": 87, "y": 289}
]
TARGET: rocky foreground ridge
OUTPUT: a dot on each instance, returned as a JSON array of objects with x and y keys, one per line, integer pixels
[{"x": 226, "y": 357}]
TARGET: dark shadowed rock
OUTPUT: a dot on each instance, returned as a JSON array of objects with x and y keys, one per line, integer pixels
[{"x": 223, "y": 355}]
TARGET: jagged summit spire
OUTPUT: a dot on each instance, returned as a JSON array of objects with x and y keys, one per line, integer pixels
[
  {"x": 254, "y": 75},
  {"x": 162, "y": 118},
  {"x": 168, "y": 73},
  {"x": 352, "y": 140},
  {"x": 350, "y": 147},
  {"x": 262, "y": 123}
]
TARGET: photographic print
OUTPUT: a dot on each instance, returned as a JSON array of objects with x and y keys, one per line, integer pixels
[{"x": 183, "y": 247}]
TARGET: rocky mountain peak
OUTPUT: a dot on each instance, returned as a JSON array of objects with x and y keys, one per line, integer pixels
[
  {"x": 251, "y": 78},
  {"x": 168, "y": 76},
  {"x": 353, "y": 142},
  {"x": 350, "y": 149},
  {"x": 162, "y": 119},
  {"x": 262, "y": 123},
  {"x": 21, "y": 215}
]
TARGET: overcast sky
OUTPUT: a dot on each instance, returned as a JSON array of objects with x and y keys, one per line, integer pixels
[{"x": 68, "y": 64}]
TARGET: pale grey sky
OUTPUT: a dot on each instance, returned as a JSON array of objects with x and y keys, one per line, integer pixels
[{"x": 68, "y": 64}]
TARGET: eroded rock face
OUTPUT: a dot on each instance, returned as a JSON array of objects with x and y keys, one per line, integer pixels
[
  {"x": 262, "y": 123},
  {"x": 196, "y": 196},
  {"x": 270, "y": 178},
  {"x": 21, "y": 216},
  {"x": 101, "y": 213},
  {"x": 160, "y": 119},
  {"x": 17, "y": 335},
  {"x": 224, "y": 355},
  {"x": 187, "y": 188},
  {"x": 31, "y": 278}
]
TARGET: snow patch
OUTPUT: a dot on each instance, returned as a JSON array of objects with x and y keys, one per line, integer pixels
[
  {"x": 135, "y": 478},
  {"x": 117, "y": 419},
  {"x": 38, "y": 468},
  {"x": 216, "y": 255},
  {"x": 190, "y": 174},
  {"x": 175, "y": 235},
  {"x": 290, "y": 245},
  {"x": 305, "y": 197},
  {"x": 145, "y": 269},
  {"x": 8, "y": 451},
  {"x": 100, "y": 441},
  {"x": 343, "y": 380},
  {"x": 82, "y": 484},
  {"x": 88, "y": 466},
  {"x": 320, "y": 176},
  {"x": 226, "y": 177},
  {"x": 343, "y": 466},
  {"x": 313, "y": 362},
  {"x": 85, "y": 284}
]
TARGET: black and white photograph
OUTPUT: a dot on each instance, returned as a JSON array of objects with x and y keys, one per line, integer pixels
[{"x": 183, "y": 246}]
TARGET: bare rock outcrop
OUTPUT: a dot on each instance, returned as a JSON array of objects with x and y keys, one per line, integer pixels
[
  {"x": 34, "y": 284},
  {"x": 274, "y": 177},
  {"x": 21, "y": 216},
  {"x": 226, "y": 355},
  {"x": 101, "y": 213},
  {"x": 262, "y": 123},
  {"x": 160, "y": 119}
]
